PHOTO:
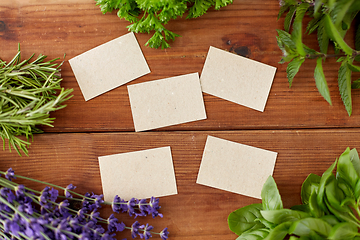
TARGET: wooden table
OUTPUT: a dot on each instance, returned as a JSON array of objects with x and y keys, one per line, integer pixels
[{"x": 298, "y": 123}]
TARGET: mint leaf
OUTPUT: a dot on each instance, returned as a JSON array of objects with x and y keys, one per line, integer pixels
[
  {"x": 334, "y": 35},
  {"x": 344, "y": 81},
  {"x": 296, "y": 34},
  {"x": 320, "y": 81},
  {"x": 289, "y": 18},
  {"x": 293, "y": 68}
]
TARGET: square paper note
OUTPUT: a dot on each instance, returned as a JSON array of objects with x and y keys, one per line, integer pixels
[
  {"x": 166, "y": 102},
  {"x": 140, "y": 174},
  {"x": 237, "y": 79},
  {"x": 109, "y": 65},
  {"x": 235, "y": 167}
]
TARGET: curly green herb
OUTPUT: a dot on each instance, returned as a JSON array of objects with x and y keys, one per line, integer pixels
[{"x": 152, "y": 15}]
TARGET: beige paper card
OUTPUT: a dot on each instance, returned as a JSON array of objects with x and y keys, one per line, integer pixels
[
  {"x": 237, "y": 79},
  {"x": 109, "y": 65},
  {"x": 141, "y": 174},
  {"x": 166, "y": 102},
  {"x": 235, "y": 167}
]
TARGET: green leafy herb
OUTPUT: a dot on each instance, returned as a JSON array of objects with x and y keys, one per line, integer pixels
[
  {"x": 148, "y": 16},
  {"x": 330, "y": 207},
  {"x": 29, "y": 91},
  {"x": 330, "y": 19}
]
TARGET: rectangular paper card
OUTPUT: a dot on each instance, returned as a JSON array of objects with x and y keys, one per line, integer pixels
[
  {"x": 109, "y": 65},
  {"x": 235, "y": 167},
  {"x": 140, "y": 174},
  {"x": 237, "y": 79},
  {"x": 166, "y": 102}
]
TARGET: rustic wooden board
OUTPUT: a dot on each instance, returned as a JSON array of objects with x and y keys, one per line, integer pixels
[
  {"x": 197, "y": 210},
  {"x": 247, "y": 28}
]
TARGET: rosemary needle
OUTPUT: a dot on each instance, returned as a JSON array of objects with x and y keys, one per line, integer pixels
[{"x": 29, "y": 91}]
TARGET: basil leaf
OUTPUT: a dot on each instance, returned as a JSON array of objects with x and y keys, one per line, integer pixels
[
  {"x": 320, "y": 81},
  {"x": 345, "y": 230},
  {"x": 335, "y": 196},
  {"x": 346, "y": 170},
  {"x": 258, "y": 234},
  {"x": 304, "y": 227},
  {"x": 354, "y": 158},
  {"x": 311, "y": 183},
  {"x": 279, "y": 232},
  {"x": 283, "y": 215},
  {"x": 323, "y": 182},
  {"x": 271, "y": 199},
  {"x": 330, "y": 219},
  {"x": 243, "y": 219},
  {"x": 315, "y": 210}
]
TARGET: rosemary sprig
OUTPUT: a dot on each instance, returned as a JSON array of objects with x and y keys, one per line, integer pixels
[{"x": 29, "y": 91}]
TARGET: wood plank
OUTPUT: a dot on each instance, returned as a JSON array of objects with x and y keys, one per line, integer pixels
[
  {"x": 197, "y": 210},
  {"x": 246, "y": 27}
]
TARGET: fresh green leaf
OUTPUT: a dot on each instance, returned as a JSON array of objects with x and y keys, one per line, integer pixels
[
  {"x": 346, "y": 170},
  {"x": 318, "y": 4},
  {"x": 334, "y": 35},
  {"x": 293, "y": 68},
  {"x": 354, "y": 68},
  {"x": 344, "y": 81},
  {"x": 257, "y": 234},
  {"x": 304, "y": 227},
  {"x": 335, "y": 196},
  {"x": 271, "y": 199},
  {"x": 356, "y": 84},
  {"x": 313, "y": 25},
  {"x": 326, "y": 176},
  {"x": 279, "y": 232},
  {"x": 357, "y": 37},
  {"x": 310, "y": 184},
  {"x": 320, "y": 81},
  {"x": 289, "y": 18},
  {"x": 283, "y": 215},
  {"x": 322, "y": 36},
  {"x": 330, "y": 219},
  {"x": 243, "y": 219},
  {"x": 314, "y": 208},
  {"x": 345, "y": 230},
  {"x": 282, "y": 10},
  {"x": 199, "y": 8},
  {"x": 340, "y": 10},
  {"x": 296, "y": 34}
]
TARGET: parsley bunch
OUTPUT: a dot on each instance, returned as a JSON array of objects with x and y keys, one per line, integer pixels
[
  {"x": 152, "y": 15},
  {"x": 29, "y": 91},
  {"x": 330, "y": 19}
]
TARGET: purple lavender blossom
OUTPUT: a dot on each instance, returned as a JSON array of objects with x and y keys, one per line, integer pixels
[
  {"x": 146, "y": 234},
  {"x": 164, "y": 234},
  {"x": 57, "y": 221},
  {"x": 9, "y": 174},
  {"x": 66, "y": 191},
  {"x": 135, "y": 229}
]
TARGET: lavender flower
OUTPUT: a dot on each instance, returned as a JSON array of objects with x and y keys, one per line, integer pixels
[
  {"x": 66, "y": 191},
  {"x": 164, "y": 234},
  {"x": 21, "y": 217},
  {"x": 9, "y": 174}
]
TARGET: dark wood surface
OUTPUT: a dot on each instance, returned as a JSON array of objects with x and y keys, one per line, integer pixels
[{"x": 297, "y": 122}]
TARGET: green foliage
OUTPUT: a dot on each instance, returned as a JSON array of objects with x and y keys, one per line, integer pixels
[
  {"x": 151, "y": 15},
  {"x": 330, "y": 207},
  {"x": 330, "y": 20},
  {"x": 29, "y": 91}
]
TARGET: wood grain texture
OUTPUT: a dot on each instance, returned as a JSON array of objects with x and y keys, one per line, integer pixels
[
  {"x": 297, "y": 123},
  {"x": 246, "y": 27},
  {"x": 196, "y": 211}
]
